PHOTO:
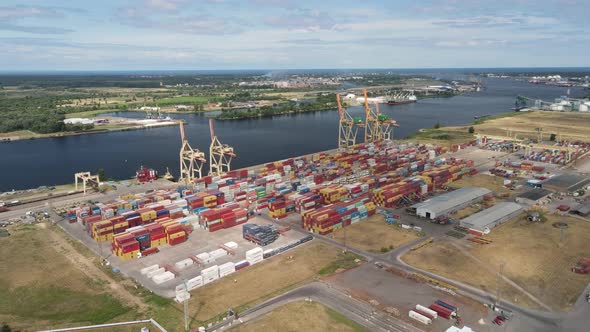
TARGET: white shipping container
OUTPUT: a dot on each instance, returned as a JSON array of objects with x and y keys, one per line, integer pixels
[
  {"x": 227, "y": 266},
  {"x": 163, "y": 277},
  {"x": 210, "y": 271},
  {"x": 422, "y": 319},
  {"x": 149, "y": 269},
  {"x": 209, "y": 279},
  {"x": 218, "y": 253},
  {"x": 183, "y": 264},
  {"x": 427, "y": 310},
  {"x": 253, "y": 252},
  {"x": 181, "y": 288},
  {"x": 151, "y": 274},
  {"x": 195, "y": 282},
  {"x": 404, "y": 226},
  {"x": 181, "y": 297},
  {"x": 231, "y": 245},
  {"x": 418, "y": 228},
  {"x": 253, "y": 261}
]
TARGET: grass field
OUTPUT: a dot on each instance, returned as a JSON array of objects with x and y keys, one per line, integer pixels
[
  {"x": 265, "y": 280},
  {"x": 571, "y": 126},
  {"x": 493, "y": 183},
  {"x": 188, "y": 100},
  {"x": 302, "y": 316},
  {"x": 444, "y": 137},
  {"x": 41, "y": 287},
  {"x": 375, "y": 235},
  {"x": 533, "y": 256}
]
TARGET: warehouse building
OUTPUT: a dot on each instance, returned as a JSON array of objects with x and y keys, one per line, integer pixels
[
  {"x": 483, "y": 221},
  {"x": 582, "y": 209},
  {"x": 446, "y": 203},
  {"x": 566, "y": 183},
  {"x": 532, "y": 197}
]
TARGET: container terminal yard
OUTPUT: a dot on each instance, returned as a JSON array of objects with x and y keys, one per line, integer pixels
[{"x": 178, "y": 239}]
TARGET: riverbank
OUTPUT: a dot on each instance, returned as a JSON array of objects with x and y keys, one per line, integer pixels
[{"x": 101, "y": 129}]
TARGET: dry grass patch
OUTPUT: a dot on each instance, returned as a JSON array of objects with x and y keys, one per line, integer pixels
[
  {"x": 373, "y": 234},
  {"x": 568, "y": 125},
  {"x": 533, "y": 256},
  {"x": 493, "y": 183},
  {"x": 302, "y": 316}
]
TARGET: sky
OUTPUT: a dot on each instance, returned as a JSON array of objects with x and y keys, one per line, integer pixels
[{"x": 292, "y": 34}]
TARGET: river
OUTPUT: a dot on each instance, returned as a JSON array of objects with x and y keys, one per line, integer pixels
[{"x": 32, "y": 163}]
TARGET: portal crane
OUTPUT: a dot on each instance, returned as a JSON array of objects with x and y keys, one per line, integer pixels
[
  {"x": 372, "y": 129},
  {"x": 378, "y": 126},
  {"x": 386, "y": 125},
  {"x": 220, "y": 155},
  {"x": 191, "y": 160},
  {"x": 348, "y": 127}
]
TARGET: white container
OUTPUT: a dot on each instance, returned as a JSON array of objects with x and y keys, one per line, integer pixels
[
  {"x": 231, "y": 245},
  {"x": 195, "y": 282},
  {"x": 253, "y": 261},
  {"x": 404, "y": 226},
  {"x": 427, "y": 310},
  {"x": 418, "y": 228},
  {"x": 254, "y": 252},
  {"x": 210, "y": 271},
  {"x": 153, "y": 273},
  {"x": 163, "y": 277},
  {"x": 149, "y": 269},
  {"x": 422, "y": 319},
  {"x": 209, "y": 279},
  {"x": 218, "y": 253},
  {"x": 205, "y": 258},
  {"x": 183, "y": 264}
]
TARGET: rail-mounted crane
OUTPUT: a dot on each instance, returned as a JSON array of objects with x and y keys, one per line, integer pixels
[
  {"x": 220, "y": 155},
  {"x": 191, "y": 160},
  {"x": 348, "y": 126}
]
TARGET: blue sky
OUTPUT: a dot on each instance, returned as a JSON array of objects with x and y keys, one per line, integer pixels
[{"x": 282, "y": 34}]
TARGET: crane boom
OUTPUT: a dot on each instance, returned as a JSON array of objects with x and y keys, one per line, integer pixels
[
  {"x": 340, "y": 111},
  {"x": 182, "y": 137},
  {"x": 211, "y": 129}
]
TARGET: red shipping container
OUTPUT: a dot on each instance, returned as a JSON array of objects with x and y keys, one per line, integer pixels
[{"x": 177, "y": 240}]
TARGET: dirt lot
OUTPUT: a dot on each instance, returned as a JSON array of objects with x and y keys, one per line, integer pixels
[
  {"x": 253, "y": 284},
  {"x": 568, "y": 125},
  {"x": 45, "y": 283},
  {"x": 310, "y": 317},
  {"x": 493, "y": 183},
  {"x": 533, "y": 258},
  {"x": 374, "y": 234}
]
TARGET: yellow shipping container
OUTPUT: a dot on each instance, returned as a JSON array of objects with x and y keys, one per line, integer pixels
[{"x": 176, "y": 235}]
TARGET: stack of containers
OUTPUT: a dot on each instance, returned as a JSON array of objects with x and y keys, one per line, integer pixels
[
  {"x": 277, "y": 209},
  {"x": 333, "y": 193},
  {"x": 217, "y": 254},
  {"x": 102, "y": 231},
  {"x": 125, "y": 246},
  {"x": 254, "y": 256},
  {"x": 261, "y": 235},
  {"x": 390, "y": 195},
  {"x": 326, "y": 219},
  {"x": 157, "y": 235},
  {"x": 205, "y": 258},
  {"x": 142, "y": 236}
]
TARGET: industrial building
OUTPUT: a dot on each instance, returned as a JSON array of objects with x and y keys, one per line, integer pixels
[
  {"x": 487, "y": 219},
  {"x": 567, "y": 183},
  {"x": 449, "y": 202},
  {"x": 533, "y": 197},
  {"x": 582, "y": 209}
]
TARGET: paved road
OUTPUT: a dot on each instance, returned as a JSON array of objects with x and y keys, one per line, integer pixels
[{"x": 359, "y": 311}]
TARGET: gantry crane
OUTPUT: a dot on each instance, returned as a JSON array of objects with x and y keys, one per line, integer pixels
[
  {"x": 386, "y": 125},
  {"x": 378, "y": 126},
  {"x": 348, "y": 127},
  {"x": 220, "y": 155},
  {"x": 191, "y": 160},
  {"x": 372, "y": 129}
]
